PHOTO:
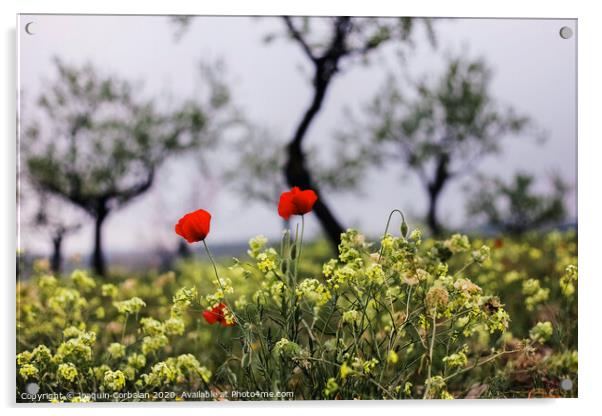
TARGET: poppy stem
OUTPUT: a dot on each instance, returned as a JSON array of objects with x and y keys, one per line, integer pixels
[
  {"x": 301, "y": 239},
  {"x": 403, "y": 220},
  {"x": 299, "y": 245},
  {"x": 219, "y": 282},
  {"x": 295, "y": 275}
]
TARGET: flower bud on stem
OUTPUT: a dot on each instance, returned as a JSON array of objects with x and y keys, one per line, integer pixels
[{"x": 403, "y": 228}]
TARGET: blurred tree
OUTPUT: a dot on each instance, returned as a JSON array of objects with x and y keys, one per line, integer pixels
[
  {"x": 440, "y": 133},
  {"x": 515, "y": 207},
  {"x": 329, "y": 44},
  {"x": 257, "y": 173},
  {"x": 50, "y": 218},
  {"x": 99, "y": 146}
]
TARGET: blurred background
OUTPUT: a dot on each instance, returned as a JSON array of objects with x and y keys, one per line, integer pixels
[{"x": 128, "y": 122}]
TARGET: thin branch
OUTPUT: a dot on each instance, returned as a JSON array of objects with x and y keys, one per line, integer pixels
[
  {"x": 480, "y": 363},
  {"x": 296, "y": 34}
]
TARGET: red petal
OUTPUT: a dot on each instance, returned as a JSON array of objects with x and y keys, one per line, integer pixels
[
  {"x": 304, "y": 201},
  {"x": 194, "y": 226},
  {"x": 286, "y": 207},
  {"x": 210, "y": 317},
  {"x": 179, "y": 228}
]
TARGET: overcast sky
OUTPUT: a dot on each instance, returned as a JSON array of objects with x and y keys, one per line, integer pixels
[{"x": 534, "y": 70}]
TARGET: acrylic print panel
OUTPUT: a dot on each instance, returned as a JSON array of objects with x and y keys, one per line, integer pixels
[{"x": 266, "y": 208}]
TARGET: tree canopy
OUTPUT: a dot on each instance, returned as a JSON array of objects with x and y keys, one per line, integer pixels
[
  {"x": 98, "y": 143},
  {"x": 437, "y": 129},
  {"x": 514, "y": 207}
]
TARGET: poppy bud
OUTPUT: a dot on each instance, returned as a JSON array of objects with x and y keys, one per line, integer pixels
[{"x": 404, "y": 228}]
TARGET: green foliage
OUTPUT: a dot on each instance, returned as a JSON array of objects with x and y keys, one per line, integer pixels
[
  {"x": 405, "y": 318},
  {"x": 455, "y": 117},
  {"x": 99, "y": 139},
  {"x": 97, "y": 143},
  {"x": 515, "y": 207},
  {"x": 438, "y": 129},
  {"x": 329, "y": 44}
]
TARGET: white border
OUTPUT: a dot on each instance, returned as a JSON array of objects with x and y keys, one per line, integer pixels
[{"x": 590, "y": 32}]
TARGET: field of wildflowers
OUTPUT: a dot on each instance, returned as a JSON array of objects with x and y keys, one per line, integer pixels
[{"x": 400, "y": 318}]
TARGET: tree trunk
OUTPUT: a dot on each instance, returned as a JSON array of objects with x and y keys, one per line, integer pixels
[
  {"x": 431, "y": 219},
  {"x": 442, "y": 175},
  {"x": 56, "y": 260},
  {"x": 295, "y": 169},
  {"x": 98, "y": 260},
  {"x": 298, "y": 175},
  {"x": 183, "y": 249}
]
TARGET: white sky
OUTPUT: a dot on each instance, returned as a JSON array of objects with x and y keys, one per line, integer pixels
[{"x": 534, "y": 70}]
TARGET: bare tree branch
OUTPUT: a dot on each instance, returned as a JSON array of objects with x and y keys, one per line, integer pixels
[{"x": 296, "y": 34}]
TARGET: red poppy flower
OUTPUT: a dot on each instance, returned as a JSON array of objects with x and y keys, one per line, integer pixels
[
  {"x": 194, "y": 226},
  {"x": 216, "y": 314},
  {"x": 296, "y": 202},
  {"x": 213, "y": 315}
]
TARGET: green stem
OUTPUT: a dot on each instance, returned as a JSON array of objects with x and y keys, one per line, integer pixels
[
  {"x": 403, "y": 219},
  {"x": 466, "y": 266},
  {"x": 125, "y": 322},
  {"x": 300, "y": 243},
  {"x": 432, "y": 346},
  {"x": 219, "y": 282},
  {"x": 451, "y": 329},
  {"x": 480, "y": 363},
  {"x": 294, "y": 305}
]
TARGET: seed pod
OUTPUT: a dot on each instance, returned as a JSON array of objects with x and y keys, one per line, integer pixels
[
  {"x": 283, "y": 267},
  {"x": 404, "y": 228}
]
